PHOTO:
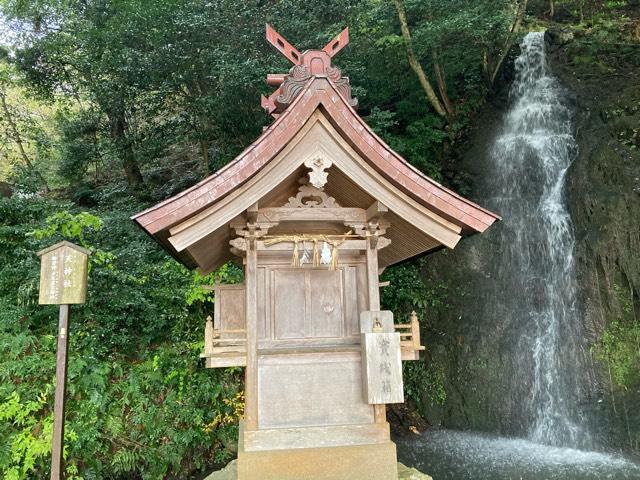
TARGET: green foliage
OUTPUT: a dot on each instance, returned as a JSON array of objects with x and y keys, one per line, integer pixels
[
  {"x": 411, "y": 290},
  {"x": 585, "y": 11},
  {"x": 30, "y": 439},
  {"x": 69, "y": 226},
  {"x": 27, "y": 134},
  {"x": 166, "y": 86},
  {"x": 84, "y": 150},
  {"x": 619, "y": 346},
  {"x": 424, "y": 383},
  {"x": 200, "y": 290},
  {"x": 141, "y": 404}
]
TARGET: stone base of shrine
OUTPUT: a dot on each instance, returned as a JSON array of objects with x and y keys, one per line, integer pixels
[{"x": 377, "y": 461}]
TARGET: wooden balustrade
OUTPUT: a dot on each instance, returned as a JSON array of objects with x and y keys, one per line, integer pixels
[
  {"x": 228, "y": 348},
  {"x": 222, "y": 351},
  {"x": 410, "y": 338}
]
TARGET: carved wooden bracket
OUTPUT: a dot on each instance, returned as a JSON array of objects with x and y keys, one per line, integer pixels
[
  {"x": 248, "y": 230},
  {"x": 383, "y": 242},
  {"x": 309, "y": 196},
  {"x": 244, "y": 227},
  {"x": 239, "y": 243},
  {"x": 318, "y": 165},
  {"x": 370, "y": 229}
]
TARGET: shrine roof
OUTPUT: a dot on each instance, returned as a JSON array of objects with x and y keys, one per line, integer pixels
[{"x": 301, "y": 93}]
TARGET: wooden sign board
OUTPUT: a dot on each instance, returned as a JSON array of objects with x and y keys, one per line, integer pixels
[
  {"x": 381, "y": 359},
  {"x": 384, "y": 318},
  {"x": 63, "y": 274}
]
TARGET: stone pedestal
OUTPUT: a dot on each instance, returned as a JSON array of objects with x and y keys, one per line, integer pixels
[
  {"x": 376, "y": 461},
  {"x": 230, "y": 472}
]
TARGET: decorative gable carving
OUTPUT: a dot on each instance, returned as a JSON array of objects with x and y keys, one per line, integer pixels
[
  {"x": 295, "y": 81},
  {"x": 318, "y": 164},
  {"x": 292, "y": 86},
  {"x": 311, "y": 197}
]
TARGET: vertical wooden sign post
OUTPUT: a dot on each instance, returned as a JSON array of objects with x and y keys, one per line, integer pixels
[
  {"x": 381, "y": 359},
  {"x": 63, "y": 281}
]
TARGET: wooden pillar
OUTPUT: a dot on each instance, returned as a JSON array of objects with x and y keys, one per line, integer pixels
[
  {"x": 57, "y": 447},
  {"x": 251, "y": 312},
  {"x": 380, "y": 411},
  {"x": 209, "y": 333},
  {"x": 415, "y": 331},
  {"x": 372, "y": 278}
]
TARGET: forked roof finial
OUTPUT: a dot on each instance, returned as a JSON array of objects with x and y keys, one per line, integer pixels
[
  {"x": 308, "y": 64},
  {"x": 283, "y": 46}
]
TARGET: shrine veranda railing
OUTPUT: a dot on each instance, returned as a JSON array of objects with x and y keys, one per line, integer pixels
[{"x": 225, "y": 345}]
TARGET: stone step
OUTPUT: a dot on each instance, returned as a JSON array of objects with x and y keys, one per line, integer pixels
[{"x": 230, "y": 472}]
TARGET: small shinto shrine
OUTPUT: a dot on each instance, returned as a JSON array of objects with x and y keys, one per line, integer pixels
[{"x": 315, "y": 209}]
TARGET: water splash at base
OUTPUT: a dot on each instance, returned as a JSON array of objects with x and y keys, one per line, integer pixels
[{"x": 451, "y": 455}]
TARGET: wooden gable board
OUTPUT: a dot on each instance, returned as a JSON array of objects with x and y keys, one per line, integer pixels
[
  {"x": 318, "y": 91},
  {"x": 317, "y": 138}
]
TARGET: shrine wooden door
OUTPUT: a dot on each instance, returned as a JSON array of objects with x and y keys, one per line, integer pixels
[
  {"x": 311, "y": 375},
  {"x": 308, "y": 304}
]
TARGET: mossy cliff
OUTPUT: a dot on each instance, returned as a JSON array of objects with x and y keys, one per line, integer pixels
[
  {"x": 599, "y": 65},
  {"x": 604, "y": 197}
]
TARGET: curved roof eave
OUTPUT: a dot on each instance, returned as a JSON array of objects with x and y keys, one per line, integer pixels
[{"x": 318, "y": 91}]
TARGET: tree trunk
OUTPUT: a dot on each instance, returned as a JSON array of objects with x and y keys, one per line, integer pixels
[
  {"x": 129, "y": 162},
  {"x": 552, "y": 9},
  {"x": 413, "y": 61},
  {"x": 17, "y": 138},
  {"x": 204, "y": 147},
  {"x": 522, "y": 8},
  {"x": 485, "y": 64},
  {"x": 204, "y": 130},
  {"x": 442, "y": 84}
]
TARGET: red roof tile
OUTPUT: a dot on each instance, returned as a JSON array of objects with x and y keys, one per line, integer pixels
[{"x": 318, "y": 92}]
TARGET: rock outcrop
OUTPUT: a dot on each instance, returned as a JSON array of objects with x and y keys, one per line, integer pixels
[
  {"x": 603, "y": 193},
  {"x": 604, "y": 198},
  {"x": 230, "y": 472}
]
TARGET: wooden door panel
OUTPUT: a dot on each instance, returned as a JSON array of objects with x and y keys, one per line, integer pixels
[
  {"x": 289, "y": 303},
  {"x": 310, "y": 303},
  {"x": 230, "y": 315},
  {"x": 326, "y": 314},
  {"x": 300, "y": 390}
]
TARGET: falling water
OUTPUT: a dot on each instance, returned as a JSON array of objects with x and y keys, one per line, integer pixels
[
  {"x": 531, "y": 298},
  {"x": 531, "y": 157}
]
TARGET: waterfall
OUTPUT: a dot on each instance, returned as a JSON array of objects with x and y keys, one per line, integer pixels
[
  {"x": 536, "y": 271},
  {"x": 526, "y": 310}
]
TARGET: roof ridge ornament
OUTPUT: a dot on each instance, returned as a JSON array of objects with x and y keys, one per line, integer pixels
[{"x": 307, "y": 64}]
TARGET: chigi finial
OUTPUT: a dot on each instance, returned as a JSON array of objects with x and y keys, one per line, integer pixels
[{"x": 311, "y": 63}]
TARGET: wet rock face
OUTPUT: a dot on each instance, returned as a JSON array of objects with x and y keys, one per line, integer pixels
[
  {"x": 556, "y": 38},
  {"x": 603, "y": 195}
]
